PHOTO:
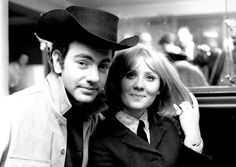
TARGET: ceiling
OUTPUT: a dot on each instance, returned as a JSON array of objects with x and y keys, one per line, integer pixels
[{"x": 26, "y": 11}]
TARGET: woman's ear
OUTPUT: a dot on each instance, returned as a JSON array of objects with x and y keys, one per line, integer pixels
[{"x": 56, "y": 58}]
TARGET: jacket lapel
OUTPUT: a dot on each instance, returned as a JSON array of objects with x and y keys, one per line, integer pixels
[
  {"x": 132, "y": 140},
  {"x": 156, "y": 130}
]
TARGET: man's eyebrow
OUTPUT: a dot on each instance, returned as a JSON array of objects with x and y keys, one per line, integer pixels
[
  {"x": 83, "y": 56},
  {"x": 107, "y": 60}
]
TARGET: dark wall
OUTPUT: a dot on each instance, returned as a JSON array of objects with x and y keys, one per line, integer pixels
[
  {"x": 218, "y": 127},
  {"x": 21, "y": 33},
  {"x": 218, "y": 123},
  {"x": 22, "y": 39}
]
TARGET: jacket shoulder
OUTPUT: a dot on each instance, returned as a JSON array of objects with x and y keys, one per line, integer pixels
[
  {"x": 22, "y": 100},
  {"x": 103, "y": 125},
  {"x": 167, "y": 120}
]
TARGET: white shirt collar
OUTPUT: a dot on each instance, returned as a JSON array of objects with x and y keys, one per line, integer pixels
[{"x": 132, "y": 122}]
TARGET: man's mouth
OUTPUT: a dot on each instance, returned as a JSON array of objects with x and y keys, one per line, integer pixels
[{"x": 89, "y": 90}]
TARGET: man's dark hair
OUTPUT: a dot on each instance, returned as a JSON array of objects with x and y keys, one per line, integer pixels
[{"x": 62, "y": 45}]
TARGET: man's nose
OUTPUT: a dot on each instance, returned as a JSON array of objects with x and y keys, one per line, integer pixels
[{"x": 93, "y": 75}]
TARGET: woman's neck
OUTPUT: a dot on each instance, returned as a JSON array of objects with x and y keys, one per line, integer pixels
[{"x": 135, "y": 113}]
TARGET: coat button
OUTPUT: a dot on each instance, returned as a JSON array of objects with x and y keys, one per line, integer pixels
[
  {"x": 60, "y": 122},
  {"x": 63, "y": 151}
]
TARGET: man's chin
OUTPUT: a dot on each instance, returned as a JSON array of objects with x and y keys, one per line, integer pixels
[{"x": 85, "y": 99}]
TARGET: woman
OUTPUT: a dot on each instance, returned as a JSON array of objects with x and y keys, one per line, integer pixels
[{"x": 143, "y": 85}]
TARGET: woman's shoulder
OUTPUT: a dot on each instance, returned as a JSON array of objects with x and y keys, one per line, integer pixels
[
  {"x": 166, "y": 119},
  {"x": 104, "y": 125},
  {"x": 168, "y": 122}
]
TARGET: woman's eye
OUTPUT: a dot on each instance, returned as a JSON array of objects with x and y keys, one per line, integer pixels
[
  {"x": 130, "y": 75},
  {"x": 151, "y": 78}
]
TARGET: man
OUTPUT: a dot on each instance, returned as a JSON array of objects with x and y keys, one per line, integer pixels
[
  {"x": 50, "y": 124},
  {"x": 16, "y": 73}
]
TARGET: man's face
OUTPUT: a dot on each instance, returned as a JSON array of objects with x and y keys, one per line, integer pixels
[{"x": 85, "y": 71}]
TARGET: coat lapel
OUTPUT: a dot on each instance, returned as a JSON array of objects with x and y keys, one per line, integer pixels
[
  {"x": 132, "y": 140},
  {"x": 156, "y": 130}
]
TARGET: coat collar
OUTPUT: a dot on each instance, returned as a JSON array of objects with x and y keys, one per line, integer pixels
[
  {"x": 57, "y": 97},
  {"x": 128, "y": 137}
]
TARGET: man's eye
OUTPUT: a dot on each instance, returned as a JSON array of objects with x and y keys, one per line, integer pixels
[
  {"x": 104, "y": 67},
  {"x": 82, "y": 63}
]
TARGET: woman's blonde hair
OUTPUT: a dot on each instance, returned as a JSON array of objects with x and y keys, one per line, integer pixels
[{"x": 172, "y": 90}]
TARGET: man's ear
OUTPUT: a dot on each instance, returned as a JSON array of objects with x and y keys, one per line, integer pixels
[{"x": 56, "y": 58}]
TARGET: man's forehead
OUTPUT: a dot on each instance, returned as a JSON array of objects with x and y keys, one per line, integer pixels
[
  {"x": 95, "y": 48},
  {"x": 105, "y": 51},
  {"x": 92, "y": 57}
]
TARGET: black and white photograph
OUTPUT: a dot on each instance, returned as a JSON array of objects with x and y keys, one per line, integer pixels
[{"x": 117, "y": 83}]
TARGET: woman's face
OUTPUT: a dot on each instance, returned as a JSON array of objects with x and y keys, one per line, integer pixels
[{"x": 139, "y": 88}]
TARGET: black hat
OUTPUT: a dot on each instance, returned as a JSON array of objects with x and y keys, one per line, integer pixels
[{"x": 83, "y": 23}]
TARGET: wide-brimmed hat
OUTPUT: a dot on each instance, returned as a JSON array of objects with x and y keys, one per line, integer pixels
[{"x": 86, "y": 24}]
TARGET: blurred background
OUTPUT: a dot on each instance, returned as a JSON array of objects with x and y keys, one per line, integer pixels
[{"x": 192, "y": 33}]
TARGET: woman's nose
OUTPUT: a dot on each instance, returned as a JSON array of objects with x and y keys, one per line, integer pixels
[{"x": 138, "y": 84}]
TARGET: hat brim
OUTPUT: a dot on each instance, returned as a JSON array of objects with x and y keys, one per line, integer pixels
[{"x": 61, "y": 24}]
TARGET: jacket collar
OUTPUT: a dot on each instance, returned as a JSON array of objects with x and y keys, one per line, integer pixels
[
  {"x": 127, "y": 136},
  {"x": 58, "y": 100},
  {"x": 132, "y": 122}
]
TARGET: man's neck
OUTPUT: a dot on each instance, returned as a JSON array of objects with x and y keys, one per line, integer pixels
[{"x": 72, "y": 100}]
